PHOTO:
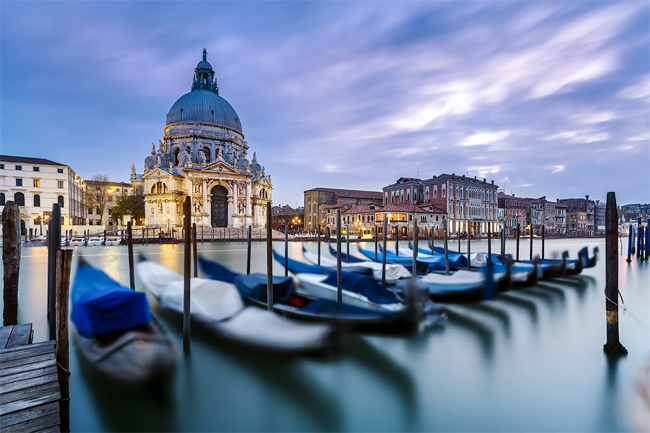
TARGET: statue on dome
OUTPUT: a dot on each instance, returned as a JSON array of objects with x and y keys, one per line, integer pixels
[
  {"x": 202, "y": 158},
  {"x": 153, "y": 149},
  {"x": 183, "y": 157},
  {"x": 161, "y": 148},
  {"x": 132, "y": 171}
]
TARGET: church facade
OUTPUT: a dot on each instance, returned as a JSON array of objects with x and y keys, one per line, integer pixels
[{"x": 203, "y": 155}]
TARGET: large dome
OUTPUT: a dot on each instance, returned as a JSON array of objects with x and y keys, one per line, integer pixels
[{"x": 204, "y": 106}]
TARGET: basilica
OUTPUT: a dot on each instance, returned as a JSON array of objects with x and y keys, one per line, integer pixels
[{"x": 203, "y": 155}]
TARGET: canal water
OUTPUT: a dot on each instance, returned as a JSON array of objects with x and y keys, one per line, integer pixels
[{"x": 530, "y": 361}]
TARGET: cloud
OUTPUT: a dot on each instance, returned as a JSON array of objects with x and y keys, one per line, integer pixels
[
  {"x": 483, "y": 138},
  {"x": 557, "y": 168},
  {"x": 640, "y": 90}
]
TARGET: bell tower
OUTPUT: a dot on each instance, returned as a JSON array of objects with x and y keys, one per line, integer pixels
[{"x": 204, "y": 75}]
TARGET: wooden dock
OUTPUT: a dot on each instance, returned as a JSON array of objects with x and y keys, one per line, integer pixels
[{"x": 29, "y": 384}]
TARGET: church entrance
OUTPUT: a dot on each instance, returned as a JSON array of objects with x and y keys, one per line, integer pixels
[{"x": 219, "y": 206}]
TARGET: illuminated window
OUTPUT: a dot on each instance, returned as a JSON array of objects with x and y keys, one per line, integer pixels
[{"x": 37, "y": 182}]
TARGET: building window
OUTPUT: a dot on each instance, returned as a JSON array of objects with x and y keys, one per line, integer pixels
[
  {"x": 37, "y": 169},
  {"x": 2, "y": 166},
  {"x": 37, "y": 200},
  {"x": 159, "y": 188},
  {"x": 19, "y": 182},
  {"x": 59, "y": 170},
  {"x": 37, "y": 183},
  {"x": 90, "y": 211},
  {"x": 19, "y": 167},
  {"x": 59, "y": 184},
  {"x": 19, "y": 198},
  {"x": 2, "y": 198},
  {"x": 90, "y": 222},
  {"x": 61, "y": 201}
]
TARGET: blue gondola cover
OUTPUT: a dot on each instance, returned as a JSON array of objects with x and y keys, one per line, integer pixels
[
  {"x": 100, "y": 304},
  {"x": 365, "y": 286}
]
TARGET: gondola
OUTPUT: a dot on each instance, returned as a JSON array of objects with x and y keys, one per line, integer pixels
[
  {"x": 116, "y": 332},
  {"x": 289, "y": 303},
  {"x": 218, "y": 307},
  {"x": 422, "y": 268},
  {"x": 394, "y": 272}
]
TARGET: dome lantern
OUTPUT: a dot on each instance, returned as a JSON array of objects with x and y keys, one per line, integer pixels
[{"x": 204, "y": 75}]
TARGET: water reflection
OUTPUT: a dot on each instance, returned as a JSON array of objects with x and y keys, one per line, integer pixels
[
  {"x": 515, "y": 301},
  {"x": 483, "y": 333},
  {"x": 492, "y": 311}
]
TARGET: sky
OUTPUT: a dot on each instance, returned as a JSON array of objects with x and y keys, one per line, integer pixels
[{"x": 546, "y": 98}]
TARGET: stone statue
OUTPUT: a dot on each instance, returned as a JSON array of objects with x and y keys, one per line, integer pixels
[
  {"x": 183, "y": 157},
  {"x": 161, "y": 149},
  {"x": 202, "y": 158},
  {"x": 132, "y": 171},
  {"x": 160, "y": 207},
  {"x": 153, "y": 149},
  {"x": 230, "y": 159}
]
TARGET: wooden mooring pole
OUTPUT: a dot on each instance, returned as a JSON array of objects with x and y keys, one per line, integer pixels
[
  {"x": 269, "y": 257},
  {"x": 444, "y": 230},
  {"x": 339, "y": 275},
  {"x": 543, "y": 237},
  {"x": 129, "y": 240},
  {"x": 318, "y": 246},
  {"x": 629, "y": 245},
  {"x": 187, "y": 264},
  {"x": 63, "y": 264},
  {"x": 384, "y": 239},
  {"x": 518, "y": 227},
  {"x": 347, "y": 243},
  {"x": 53, "y": 246},
  {"x": 415, "y": 244},
  {"x": 10, "y": 261},
  {"x": 531, "y": 241},
  {"x": 248, "y": 251},
  {"x": 195, "y": 256},
  {"x": 469, "y": 255},
  {"x": 613, "y": 345},
  {"x": 286, "y": 250}
]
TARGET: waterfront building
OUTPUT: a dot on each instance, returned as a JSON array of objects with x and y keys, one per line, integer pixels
[
  {"x": 464, "y": 200},
  {"x": 541, "y": 212},
  {"x": 203, "y": 155},
  {"x": 577, "y": 207},
  {"x": 560, "y": 219},
  {"x": 287, "y": 216},
  {"x": 599, "y": 218},
  {"x": 113, "y": 191},
  {"x": 37, "y": 183},
  {"x": 318, "y": 200},
  {"x": 514, "y": 212}
]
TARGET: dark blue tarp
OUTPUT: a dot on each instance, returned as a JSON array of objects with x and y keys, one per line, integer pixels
[
  {"x": 496, "y": 258},
  {"x": 344, "y": 257},
  {"x": 363, "y": 285},
  {"x": 423, "y": 268},
  {"x": 100, "y": 304},
  {"x": 252, "y": 286},
  {"x": 298, "y": 267},
  {"x": 326, "y": 306}
]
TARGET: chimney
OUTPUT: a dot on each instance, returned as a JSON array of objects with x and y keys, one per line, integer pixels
[
  {"x": 453, "y": 175},
  {"x": 484, "y": 180},
  {"x": 492, "y": 181}
]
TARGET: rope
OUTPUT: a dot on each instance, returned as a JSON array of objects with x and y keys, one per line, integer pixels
[
  {"x": 625, "y": 309},
  {"x": 63, "y": 368}
]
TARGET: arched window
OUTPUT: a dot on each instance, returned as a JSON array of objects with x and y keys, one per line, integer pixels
[
  {"x": 2, "y": 198},
  {"x": 159, "y": 188},
  {"x": 37, "y": 200},
  {"x": 206, "y": 150},
  {"x": 61, "y": 201},
  {"x": 19, "y": 198}
]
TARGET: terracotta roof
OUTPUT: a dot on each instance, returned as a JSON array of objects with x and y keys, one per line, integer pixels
[
  {"x": 289, "y": 212},
  {"x": 502, "y": 195},
  {"x": 28, "y": 160},
  {"x": 353, "y": 193},
  {"x": 354, "y": 209},
  {"x": 423, "y": 208},
  {"x": 560, "y": 205}
]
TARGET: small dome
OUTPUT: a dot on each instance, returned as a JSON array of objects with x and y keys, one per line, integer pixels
[
  {"x": 204, "y": 64},
  {"x": 204, "y": 106}
]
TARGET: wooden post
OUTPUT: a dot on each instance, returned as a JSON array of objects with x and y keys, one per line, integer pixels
[
  {"x": 376, "y": 243},
  {"x": 629, "y": 245},
  {"x": 63, "y": 264},
  {"x": 531, "y": 241},
  {"x": 339, "y": 275},
  {"x": 432, "y": 242},
  {"x": 459, "y": 226},
  {"x": 469, "y": 256},
  {"x": 187, "y": 264},
  {"x": 396, "y": 240},
  {"x": 647, "y": 238},
  {"x": 383, "y": 255},
  {"x": 543, "y": 236},
  {"x": 613, "y": 345},
  {"x": 54, "y": 246},
  {"x": 86, "y": 232},
  {"x": 248, "y": 251},
  {"x": 490, "y": 244},
  {"x": 318, "y": 246},
  {"x": 10, "y": 261},
  {"x": 195, "y": 256},
  {"x": 415, "y": 243},
  {"x": 269, "y": 257},
  {"x": 518, "y": 226},
  {"x": 129, "y": 240},
  {"x": 444, "y": 230},
  {"x": 202, "y": 234},
  {"x": 639, "y": 235},
  {"x": 286, "y": 250},
  {"x": 103, "y": 243},
  {"x": 347, "y": 243}
]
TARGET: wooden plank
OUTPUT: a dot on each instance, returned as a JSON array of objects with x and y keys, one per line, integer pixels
[
  {"x": 29, "y": 360},
  {"x": 5, "y": 332},
  {"x": 34, "y": 391},
  {"x": 34, "y": 425},
  {"x": 20, "y": 335},
  {"x": 54, "y": 429},
  {"x": 51, "y": 396},
  {"x": 6, "y": 388},
  {"x": 26, "y": 351},
  {"x": 23, "y": 368},
  {"x": 28, "y": 347},
  {"x": 29, "y": 374},
  {"x": 11, "y": 419}
]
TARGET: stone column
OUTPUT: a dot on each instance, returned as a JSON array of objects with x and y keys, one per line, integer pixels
[
  {"x": 205, "y": 218},
  {"x": 235, "y": 203},
  {"x": 248, "y": 203}
]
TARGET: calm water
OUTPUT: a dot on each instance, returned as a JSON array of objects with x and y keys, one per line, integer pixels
[{"x": 530, "y": 361}]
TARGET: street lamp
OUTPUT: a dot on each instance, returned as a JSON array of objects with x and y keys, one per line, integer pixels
[
  {"x": 40, "y": 219},
  {"x": 167, "y": 220}
]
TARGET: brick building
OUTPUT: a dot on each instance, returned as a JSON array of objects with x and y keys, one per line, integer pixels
[
  {"x": 514, "y": 212},
  {"x": 317, "y": 201}
]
